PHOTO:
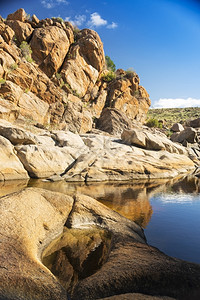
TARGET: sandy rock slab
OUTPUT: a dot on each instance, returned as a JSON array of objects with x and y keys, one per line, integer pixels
[
  {"x": 10, "y": 166},
  {"x": 29, "y": 221},
  {"x": 34, "y": 218},
  {"x": 109, "y": 159}
]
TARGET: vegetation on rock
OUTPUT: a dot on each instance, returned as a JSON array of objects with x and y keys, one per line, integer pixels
[
  {"x": 110, "y": 64},
  {"x": 26, "y": 51}
]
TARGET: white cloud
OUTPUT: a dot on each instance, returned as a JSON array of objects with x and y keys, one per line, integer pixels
[
  {"x": 176, "y": 103},
  {"x": 62, "y": 1},
  {"x": 78, "y": 21},
  {"x": 96, "y": 20},
  {"x": 112, "y": 26},
  {"x": 52, "y": 3},
  {"x": 47, "y": 4}
]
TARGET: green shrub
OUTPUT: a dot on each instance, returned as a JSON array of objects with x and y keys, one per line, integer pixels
[
  {"x": 110, "y": 64},
  {"x": 58, "y": 76},
  {"x": 13, "y": 67},
  {"x": 26, "y": 51},
  {"x": 109, "y": 76},
  {"x": 2, "y": 81},
  {"x": 154, "y": 123},
  {"x": 58, "y": 19},
  {"x": 131, "y": 72},
  {"x": 137, "y": 93}
]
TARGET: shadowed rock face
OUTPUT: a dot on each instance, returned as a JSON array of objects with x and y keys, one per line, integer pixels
[{"x": 77, "y": 254}]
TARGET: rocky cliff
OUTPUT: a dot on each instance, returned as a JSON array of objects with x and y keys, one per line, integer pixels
[{"x": 53, "y": 74}]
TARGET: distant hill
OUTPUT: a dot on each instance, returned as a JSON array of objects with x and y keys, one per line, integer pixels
[{"x": 173, "y": 115}]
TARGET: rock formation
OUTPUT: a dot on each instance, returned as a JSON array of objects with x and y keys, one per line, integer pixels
[
  {"x": 63, "y": 117},
  {"x": 53, "y": 74}
]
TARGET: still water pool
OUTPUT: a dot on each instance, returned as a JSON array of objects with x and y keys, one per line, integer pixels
[
  {"x": 174, "y": 227},
  {"x": 168, "y": 210}
]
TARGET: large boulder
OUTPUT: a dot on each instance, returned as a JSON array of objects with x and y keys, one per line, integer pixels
[
  {"x": 42, "y": 161},
  {"x": 108, "y": 159},
  {"x": 150, "y": 140},
  {"x": 50, "y": 46},
  {"x": 189, "y": 135},
  {"x": 19, "y": 15},
  {"x": 113, "y": 121},
  {"x": 177, "y": 127},
  {"x": 194, "y": 123},
  {"x": 125, "y": 94},
  {"x": 22, "y": 30},
  {"x": 10, "y": 166},
  {"x": 29, "y": 221},
  {"x": 67, "y": 138},
  {"x": 84, "y": 62},
  {"x": 17, "y": 135}
]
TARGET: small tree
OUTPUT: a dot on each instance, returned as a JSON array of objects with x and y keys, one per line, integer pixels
[
  {"x": 110, "y": 64},
  {"x": 26, "y": 51}
]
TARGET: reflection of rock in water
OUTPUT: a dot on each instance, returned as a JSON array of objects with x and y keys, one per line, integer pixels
[
  {"x": 77, "y": 254},
  {"x": 131, "y": 200},
  {"x": 188, "y": 185},
  {"x": 12, "y": 186}
]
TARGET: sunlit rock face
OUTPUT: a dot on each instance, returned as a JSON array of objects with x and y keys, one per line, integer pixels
[{"x": 46, "y": 63}]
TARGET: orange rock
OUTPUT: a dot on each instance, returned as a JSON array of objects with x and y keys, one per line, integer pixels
[
  {"x": 22, "y": 30},
  {"x": 19, "y": 15},
  {"x": 50, "y": 46},
  {"x": 84, "y": 62}
]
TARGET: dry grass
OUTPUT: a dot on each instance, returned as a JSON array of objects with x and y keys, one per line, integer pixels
[{"x": 169, "y": 116}]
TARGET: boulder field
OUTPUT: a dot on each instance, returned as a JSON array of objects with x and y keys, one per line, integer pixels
[{"x": 67, "y": 233}]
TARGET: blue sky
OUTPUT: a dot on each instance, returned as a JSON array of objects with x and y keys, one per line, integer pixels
[{"x": 159, "y": 39}]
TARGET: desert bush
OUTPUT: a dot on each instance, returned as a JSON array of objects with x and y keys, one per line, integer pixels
[
  {"x": 131, "y": 71},
  {"x": 2, "y": 81},
  {"x": 13, "y": 67},
  {"x": 58, "y": 19},
  {"x": 154, "y": 123},
  {"x": 26, "y": 51},
  {"x": 110, "y": 64},
  {"x": 108, "y": 76}
]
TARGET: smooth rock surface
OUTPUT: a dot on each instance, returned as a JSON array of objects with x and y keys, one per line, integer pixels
[
  {"x": 109, "y": 159},
  {"x": 29, "y": 221},
  {"x": 32, "y": 218},
  {"x": 150, "y": 140},
  {"x": 10, "y": 166},
  {"x": 42, "y": 161}
]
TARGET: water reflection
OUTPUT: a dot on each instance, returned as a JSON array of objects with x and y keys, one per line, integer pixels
[
  {"x": 77, "y": 254},
  {"x": 130, "y": 199},
  {"x": 11, "y": 186},
  {"x": 169, "y": 210}
]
